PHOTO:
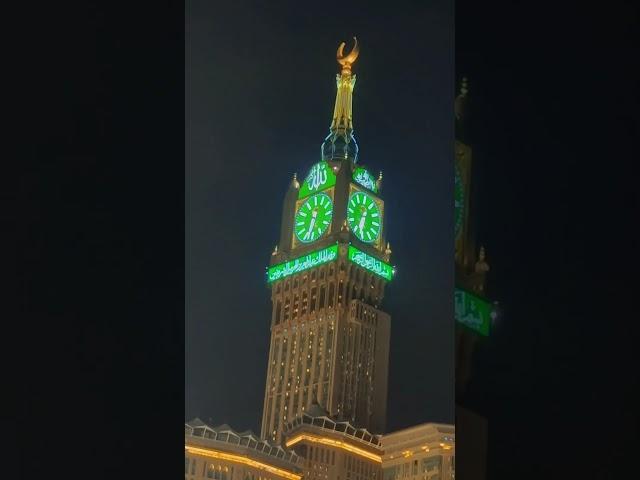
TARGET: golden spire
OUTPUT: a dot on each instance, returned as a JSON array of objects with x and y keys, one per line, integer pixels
[{"x": 345, "y": 81}]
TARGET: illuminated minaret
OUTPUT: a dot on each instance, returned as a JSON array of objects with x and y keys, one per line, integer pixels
[{"x": 329, "y": 338}]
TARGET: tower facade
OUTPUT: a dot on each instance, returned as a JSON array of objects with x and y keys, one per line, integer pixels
[{"x": 329, "y": 336}]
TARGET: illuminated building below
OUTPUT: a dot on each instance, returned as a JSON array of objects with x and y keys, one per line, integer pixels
[{"x": 220, "y": 453}]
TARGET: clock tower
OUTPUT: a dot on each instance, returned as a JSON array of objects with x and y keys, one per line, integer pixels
[
  {"x": 473, "y": 311},
  {"x": 329, "y": 336}
]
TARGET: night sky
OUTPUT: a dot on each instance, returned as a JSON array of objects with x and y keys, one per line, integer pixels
[
  {"x": 554, "y": 130},
  {"x": 551, "y": 94},
  {"x": 260, "y": 93}
]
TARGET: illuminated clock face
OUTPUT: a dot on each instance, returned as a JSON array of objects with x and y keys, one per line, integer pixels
[
  {"x": 459, "y": 201},
  {"x": 313, "y": 218},
  {"x": 364, "y": 217}
]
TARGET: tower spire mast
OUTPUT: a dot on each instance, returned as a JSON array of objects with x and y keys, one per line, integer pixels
[
  {"x": 345, "y": 81},
  {"x": 340, "y": 143}
]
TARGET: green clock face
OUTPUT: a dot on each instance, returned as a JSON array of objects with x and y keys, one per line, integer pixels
[
  {"x": 459, "y": 201},
  {"x": 364, "y": 217},
  {"x": 313, "y": 218}
]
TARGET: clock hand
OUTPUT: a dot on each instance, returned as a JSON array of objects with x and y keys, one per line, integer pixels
[
  {"x": 314, "y": 214},
  {"x": 362, "y": 220}
]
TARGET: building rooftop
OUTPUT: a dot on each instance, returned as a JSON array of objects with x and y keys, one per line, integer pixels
[
  {"x": 319, "y": 417},
  {"x": 225, "y": 436}
]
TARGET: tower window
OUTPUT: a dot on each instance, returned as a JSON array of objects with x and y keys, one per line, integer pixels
[
  {"x": 332, "y": 292},
  {"x": 295, "y": 306},
  {"x": 278, "y": 312},
  {"x": 322, "y": 296},
  {"x": 304, "y": 302},
  {"x": 312, "y": 307},
  {"x": 286, "y": 309}
]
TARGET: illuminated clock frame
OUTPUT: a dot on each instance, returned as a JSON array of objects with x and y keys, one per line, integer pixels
[
  {"x": 367, "y": 227},
  {"x": 315, "y": 208}
]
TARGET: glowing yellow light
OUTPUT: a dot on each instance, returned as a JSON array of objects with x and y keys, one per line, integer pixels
[
  {"x": 335, "y": 443},
  {"x": 243, "y": 460},
  {"x": 407, "y": 453}
]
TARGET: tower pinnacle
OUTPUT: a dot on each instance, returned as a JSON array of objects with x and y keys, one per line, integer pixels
[
  {"x": 340, "y": 143},
  {"x": 342, "y": 113}
]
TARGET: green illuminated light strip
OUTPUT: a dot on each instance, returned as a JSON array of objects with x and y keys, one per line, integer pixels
[
  {"x": 297, "y": 265},
  {"x": 371, "y": 263},
  {"x": 473, "y": 312},
  {"x": 364, "y": 178}
]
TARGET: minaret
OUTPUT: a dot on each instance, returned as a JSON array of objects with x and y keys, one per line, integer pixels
[{"x": 329, "y": 336}]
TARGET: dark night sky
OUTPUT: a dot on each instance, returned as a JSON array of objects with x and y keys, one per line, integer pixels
[
  {"x": 552, "y": 95},
  {"x": 260, "y": 93},
  {"x": 555, "y": 133}
]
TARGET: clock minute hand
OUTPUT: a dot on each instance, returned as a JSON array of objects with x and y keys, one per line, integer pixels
[
  {"x": 362, "y": 220},
  {"x": 314, "y": 214}
]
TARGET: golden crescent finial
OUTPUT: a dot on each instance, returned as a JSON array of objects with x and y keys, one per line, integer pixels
[{"x": 348, "y": 60}]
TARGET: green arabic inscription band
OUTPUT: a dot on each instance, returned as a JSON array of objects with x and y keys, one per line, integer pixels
[
  {"x": 370, "y": 263},
  {"x": 473, "y": 312},
  {"x": 326, "y": 255}
]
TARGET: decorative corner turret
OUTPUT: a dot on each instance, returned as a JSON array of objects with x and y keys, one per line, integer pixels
[
  {"x": 481, "y": 265},
  {"x": 387, "y": 252}
]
